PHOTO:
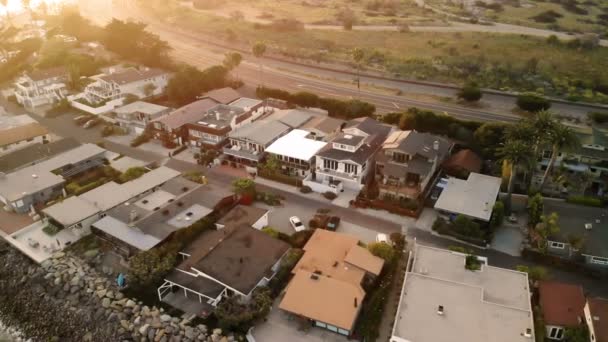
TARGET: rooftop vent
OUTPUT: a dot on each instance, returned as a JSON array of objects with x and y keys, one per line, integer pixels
[
  {"x": 528, "y": 333},
  {"x": 144, "y": 201},
  {"x": 436, "y": 145},
  {"x": 440, "y": 310},
  {"x": 588, "y": 226},
  {"x": 348, "y": 136},
  {"x": 34, "y": 176},
  {"x": 356, "y": 304},
  {"x": 317, "y": 272},
  {"x": 314, "y": 277},
  {"x": 335, "y": 264}
]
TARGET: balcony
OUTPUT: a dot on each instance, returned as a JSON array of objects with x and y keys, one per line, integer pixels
[
  {"x": 339, "y": 174},
  {"x": 410, "y": 190},
  {"x": 239, "y": 152}
]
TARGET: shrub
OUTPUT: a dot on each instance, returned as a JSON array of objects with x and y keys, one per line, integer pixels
[
  {"x": 598, "y": 117},
  {"x": 243, "y": 186},
  {"x": 141, "y": 139},
  {"x": 330, "y": 195},
  {"x": 271, "y": 231},
  {"x": 299, "y": 239},
  {"x": 587, "y": 201},
  {"x": 470, "y": 93},
  {"x": 132, "y": 173},
  {"x": 58, "y": 109},
  {"x": 305, "y": 189},
  {"x": 532, "y": 102},
  {"x": 382, "y": 250},
  {"x": 234, "y": 314},
  {"x": 278, "y": 282},
  {"x": 549, "y": 16},
  {"x": 498, "y": 214},
  {"x": 472, "y": 263}
]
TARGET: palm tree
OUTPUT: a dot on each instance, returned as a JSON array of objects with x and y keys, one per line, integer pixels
[
  {"x": 561, "y": 138},
  {"x": 515, "y": 153},
  {"x": 258, "y": 50},
  {"x": 542, "y": 123},
  {"x": 358, "y": 55}
]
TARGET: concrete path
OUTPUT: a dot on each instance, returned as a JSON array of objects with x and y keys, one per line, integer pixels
[{"x": 508, "y": 239}]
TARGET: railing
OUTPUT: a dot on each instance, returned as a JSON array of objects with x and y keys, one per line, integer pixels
[
  {"x": 407, "y": 190},
  {"x": 243, "y": 153},
  {"x": 338, "y": 174}
]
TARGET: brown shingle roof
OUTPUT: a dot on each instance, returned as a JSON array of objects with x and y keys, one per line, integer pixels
[
  {"x": 598, "y": 308},
  {"x": 20, "y": 133},
  {"x": 189, "y": 113},
  {"x": 223, "y": 95},
  {"x": 561, "y": 304}
]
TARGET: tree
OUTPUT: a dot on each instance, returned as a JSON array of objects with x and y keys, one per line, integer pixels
[
  {"x": 382, "y": 250},
  {"x": 131, "y": 41},
  {"x": 562, "y": 138},
  {"x": 234, "y": 314},
  {"x": 535, "y": 273},
  {"x": 358, "y": 55},
  {"x": 546, "y": 228},
  {"x": 470, "y": 92},
  {"x": 132, "y": 173},
  {"x": 147, "y": 268},
  {"x": 272, "y": 164},
  {"x": 306, "y": 99},
  {"x": 149, "y": 89},
  {"x": 489, "y": 137},
  {"x": 232, "y": 60},
  {"x": 347, "y": 17},
  {"x": 258, "y": 50},
  {"x": 532, "y": 102},
  {"x": 129, "y": 98},
  {"x": 243, "y": 186},
  {"x": 514, "y": 154},
  {"x": 498, "y": 214},
  {"x": 189, "y": 82},
  {"x": 577, "y": 334},
  {"x": 535, "y": 210}
]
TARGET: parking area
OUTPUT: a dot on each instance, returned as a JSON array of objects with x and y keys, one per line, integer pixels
[
  {"x": 508, "y": 239},
  {"x": 281, "y": 326}
]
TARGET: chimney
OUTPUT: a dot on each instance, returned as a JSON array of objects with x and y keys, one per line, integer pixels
[
  {"x": 436, "y": 145},
  {"x": 440, "y": 310},
  {"x": 356, "y": 305},
  {"x": 217, "y": 116},
  {"x": 132, "y": 216}
]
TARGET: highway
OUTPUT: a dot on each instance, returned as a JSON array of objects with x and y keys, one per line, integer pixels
[{"x": 191, "y": 48}]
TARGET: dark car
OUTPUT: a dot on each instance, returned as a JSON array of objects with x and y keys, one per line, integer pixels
[{"x": 333, "y": 223}]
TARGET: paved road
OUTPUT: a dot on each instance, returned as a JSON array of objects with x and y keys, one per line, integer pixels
[{"x": 192, "y": 48}]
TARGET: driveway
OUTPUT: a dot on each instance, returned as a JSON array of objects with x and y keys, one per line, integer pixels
[
  {"x": 281, "y": 326},
  {"x": 508, "y": 239}
]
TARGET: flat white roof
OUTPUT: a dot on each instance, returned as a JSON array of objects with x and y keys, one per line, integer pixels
[
  {"x": 131, "y": 235},
  {"x": 71, "y": 211},
  {"x": 474, "y": 197},
  {"x": 188, "y": 216},
  {"x": 295, "y": 145},
  {"x": 489, "y": 305},
  {"x": 35, "y": 178}
]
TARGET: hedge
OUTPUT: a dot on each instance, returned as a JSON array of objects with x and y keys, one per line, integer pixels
[
  {"x": 279, "y": 177},
  {"x": 349, "y": 109},
  {"x": 587, "y": 201}
]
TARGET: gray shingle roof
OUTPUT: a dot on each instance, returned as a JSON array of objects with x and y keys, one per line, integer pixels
[
  {"x": 35, "y": 153},
  {"x": 262, "y": 132}
]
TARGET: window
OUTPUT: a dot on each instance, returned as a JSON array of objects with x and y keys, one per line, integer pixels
[
  {"x": 556, "y": 333},
  {"x": 350, "y": 168},
  {"x": 343, "y": 332},
  {"x": 321, "y": 324},
  {"x": 557, "y": 245},
  {"x": 330, "y": 164},
  {"x": 400, "y": 157},
  {"x": 599, "y": 261}
]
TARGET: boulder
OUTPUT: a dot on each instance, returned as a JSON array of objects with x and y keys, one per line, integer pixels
[
  {"x": 144, "y": 329},
  {"x": 165, "y": 318},
  {"x": 106, "y": 302}
]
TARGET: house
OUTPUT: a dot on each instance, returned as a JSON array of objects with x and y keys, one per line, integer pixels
[
  {"x": 247, "y": 144},
  {"x": 23, "y": 189},
  {"x": 211, "y": 130},
  {"x": 473, "y": 198},
  {"x": 135, "y": 116},
  {"x": 295, "y": 118},
  {"x": 255, "y": 106},
  {"x": 223, "y": 95},
  {"x": 327, "y": 284},
  {"x": 562, "y": 306},
  {"x": 17, "y": 132},
  {"x": 35, "y": 153},
  {"x": 408, "y": 162},
  {"x": 222, "y": 263},
  {"x": 323, "y": 128},
  {"x": 172, "y": 127},
  {"x": 41, "y": 87},
  {"x": 146, "y": 220},
  {"x": 596, "y": 316},
  {"x": 244, "y": 214},
  {"x": 347, "y": 161},
  {"x": 80, "y": 212},
  {"x": 296, "y": 152},
  {"x": 586, "y": 226},
  {"x": 441, "y": 300},
  {"x": 462, "y": 163},
  {"x": 109, "y": 90}
]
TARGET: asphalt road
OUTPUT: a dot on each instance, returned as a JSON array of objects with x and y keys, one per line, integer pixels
[{"x": 194, "y": 49}]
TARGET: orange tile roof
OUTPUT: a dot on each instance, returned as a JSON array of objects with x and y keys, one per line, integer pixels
[
  {"x": 598, "y": 308},
  {"x": 561, "y": 304}
]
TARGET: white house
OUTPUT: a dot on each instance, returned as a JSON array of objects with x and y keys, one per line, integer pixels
[
  {"x": 473, "y": 198},
  {"x": 135, "y": 116},
  {"x": 296, "y": 152},
  {"x": 41, "y": 87},
  {"x": 109, "y": 90},
  {"x": 348, "y": 159}
]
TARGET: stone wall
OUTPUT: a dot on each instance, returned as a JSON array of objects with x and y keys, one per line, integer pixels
[{"x": 64, "y": 299}]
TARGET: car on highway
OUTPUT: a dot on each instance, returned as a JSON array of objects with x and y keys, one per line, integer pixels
[{"x": 297, "y": 224}]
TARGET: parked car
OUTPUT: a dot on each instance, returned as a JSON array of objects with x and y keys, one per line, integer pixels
[
  {"x": 82, "y": 119},
  {"x": 333, "y": 223},
  {"x": 91, "y": 123},
  {"x": 297, "y": 224},
  {"x": 382, "y": 238}
]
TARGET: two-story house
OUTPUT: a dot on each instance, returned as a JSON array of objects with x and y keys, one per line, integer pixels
[
  {"x": 296, "y": 152},
  {"x": 408, "y": 161},
  {"x": 345, "y": 162},
  {"x": 211, "y": 131},
  {"x": 135, "y": 116},
  {"x": 248, "y": 144},
  {"x": 143, "y": 83},
  {"x": 42, "y": 87},
  {"x": 171, "y": 128}
]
